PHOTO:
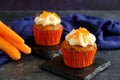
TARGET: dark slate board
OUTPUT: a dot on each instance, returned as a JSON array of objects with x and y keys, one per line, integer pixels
[
  {"x": 47, "y": 52},
  {"x": 57, "y": 66}
]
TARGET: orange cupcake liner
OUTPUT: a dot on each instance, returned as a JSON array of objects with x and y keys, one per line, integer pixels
[
  {"x": 47, "y": 38},
  {"x": 78, "y": 59}
]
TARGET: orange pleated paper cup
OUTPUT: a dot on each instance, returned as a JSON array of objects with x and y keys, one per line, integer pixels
[
  {"x": 47, "y": 37},
  {"x": 78, "y": 59}
]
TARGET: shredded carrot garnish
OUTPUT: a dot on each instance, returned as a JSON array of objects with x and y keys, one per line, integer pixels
[
  {"x": 46, "y": 13},
  {"x": 84, "y": 31},
  {"x": 78, "y": 32}
]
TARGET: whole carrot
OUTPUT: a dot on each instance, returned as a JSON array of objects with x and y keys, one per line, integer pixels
[
  {"x": 9, "y": 49},
  {"x": 9, "y": 33},
  {"x": 22, "y": 47}
]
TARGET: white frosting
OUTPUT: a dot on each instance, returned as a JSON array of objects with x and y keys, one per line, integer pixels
[
  {"x": 81, "y": 38},
  {"x": 50, "y": 19}
]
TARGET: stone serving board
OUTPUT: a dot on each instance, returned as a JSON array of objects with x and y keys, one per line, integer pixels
[
  {"x": 57, "y": 66},
  {"x": 47, "y": 52}
]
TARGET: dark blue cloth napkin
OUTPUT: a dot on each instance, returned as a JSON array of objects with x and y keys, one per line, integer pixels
[
  {"x": 23, "y": 27},
  {"x": 107, "y": 31}
]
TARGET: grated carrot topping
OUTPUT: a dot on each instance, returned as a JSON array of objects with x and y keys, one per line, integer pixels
[
  {"x": 84, "y": 31},
  {"x": 46, "y": 13}
]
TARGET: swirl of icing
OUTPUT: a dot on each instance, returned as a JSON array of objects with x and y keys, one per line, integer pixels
[
  {"x": 81, "y": 37},
  {"x": 47, "y": 18}
]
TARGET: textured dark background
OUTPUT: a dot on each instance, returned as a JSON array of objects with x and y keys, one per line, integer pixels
[{"x": 59, "y": 5}]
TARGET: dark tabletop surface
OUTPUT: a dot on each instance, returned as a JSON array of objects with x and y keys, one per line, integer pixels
[{"x": 28, "y": 67}]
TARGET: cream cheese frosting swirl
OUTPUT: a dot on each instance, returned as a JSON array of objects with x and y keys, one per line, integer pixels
[
  {"x": 81, "y": 37},
  {"x": 47, "y": 18}
]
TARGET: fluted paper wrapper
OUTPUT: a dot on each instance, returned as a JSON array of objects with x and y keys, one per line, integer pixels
[
  {"x": 48, "y": 37},
  {"x": 78, "y": 59}
]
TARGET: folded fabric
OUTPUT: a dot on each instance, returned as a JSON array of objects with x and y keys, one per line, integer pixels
[
  {"x": 3, "y": 58},
  {"x": 23, "y": 27},
  {"x": 107, "y": 31}
]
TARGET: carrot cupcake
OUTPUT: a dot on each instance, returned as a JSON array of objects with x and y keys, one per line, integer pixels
[
  {"x": 79, "y": 48},
  {"x": 47, "y": 29}
]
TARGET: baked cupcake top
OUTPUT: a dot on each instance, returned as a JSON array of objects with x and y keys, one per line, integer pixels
[
  {"x": 81, "y": 37},
  {"x": 47, "y": 18}
]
